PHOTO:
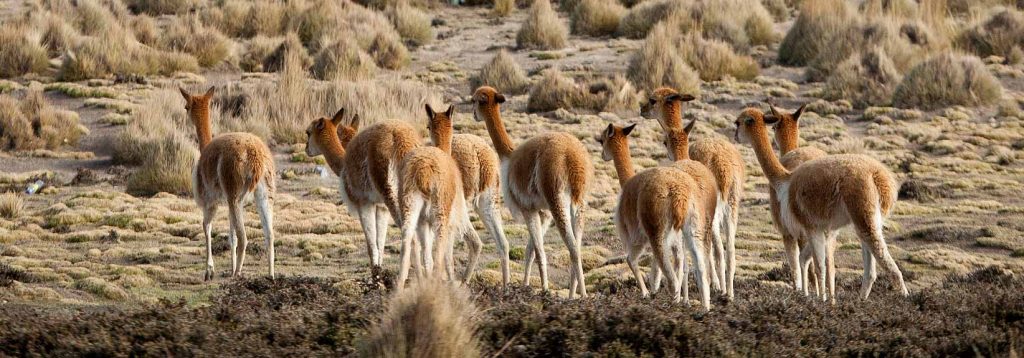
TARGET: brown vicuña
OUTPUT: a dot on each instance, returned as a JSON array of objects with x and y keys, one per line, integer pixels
[
  {"x": 433, "y": 206},
  {"x": 479, "y": 166},
  {"x": 367, "y": 165},
  {"x": 726, "y": 164},
  {"x": 787, "y": 137},
  {"x": 660, "y": 207},
  {"x": 548, "y": 175},
  {"x": 231, "y": 167},
  {"x": 824, "y": 195}
]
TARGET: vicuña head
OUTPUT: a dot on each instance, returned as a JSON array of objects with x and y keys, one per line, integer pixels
[
  {"x": 198, "y": 107},
  {"x": 613, "y": 140},
  {"x": 665, "y": 105},
  {"x": 439, "y": 124},
  {"x": 677, "y": 141},
  {"x": 787, "y": 128},
  {"x": 487, "y": 102},
  {"x": 325, "y": 131}
]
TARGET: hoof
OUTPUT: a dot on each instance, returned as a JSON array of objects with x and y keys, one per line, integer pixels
[{"x": 208, "y": 275}]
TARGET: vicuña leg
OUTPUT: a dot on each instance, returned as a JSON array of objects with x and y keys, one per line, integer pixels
[
  {"x": 533, "y": 225},
  {"x": 491, "y": 217},
  {"x": 410, "y": 218},
  {"x": 209, "y": 212},
  {"x": 238, "y": 222},
  {"x": 265, "y": 208},
  {"x": 368, "y": 221}
]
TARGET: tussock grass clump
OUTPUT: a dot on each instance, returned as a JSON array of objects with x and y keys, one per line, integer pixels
[
  {"x": 820, "y": 25},
  {"x": 389, "y": 52},
  {"x": 33, "y": 124},
  {"x": 411, "y": 23},
  {"x": 343, "y": 60},
  {"x": 17, "y": 129},
  {"x": 503, "y": 8},
  {"x": 291, "y": 46},
  {"x": 596, "y": 17},
  {"x": 617, "y": 95},
  {"x": 866, "y": 79},
  {"x": 159, "y": 7},
  {"x": 715, "y": 59},
  {"x": 429, "y": 319},
  {"x": 159, "y": 139},
  {"x": 101, "y": 288},
  {"x": 11, "y": 205},
  {"x": 145, "y": 30},
  {"x": 999, "y": 34},
  {"x": 264, "y": 18},
  {"x": 19, "y": 53},
  {"x": 542, "y": 28},
  {"x": 642, "y": 17},
  {"x": 741, "y": 23},
  {"x": 503, "y": 73},
  {"x": 947, "y": 79},
  {"x": 257, "y": 51},
  {"x": 553, "y": 91},
  {"x": 779, "y": 9},
  {"x": 206, "y": 44},
  {"x": 98, "y": 57},
  {"x": 655, "y": 64}
]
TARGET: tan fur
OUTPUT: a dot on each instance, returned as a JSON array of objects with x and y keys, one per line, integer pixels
[
  {"x": 367, "y": 166},
  {"x": 724, "y": 162},
  {"x": 548, "y": 175},
  {"x": 787, "y": 137},
  {"x": 826, "y": 194},
  {"x": 231, "y": 167},
  {"x": 658, "y": 207}
]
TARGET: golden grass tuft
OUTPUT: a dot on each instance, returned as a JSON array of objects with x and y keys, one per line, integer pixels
[
  {"x": 741, "y": 23},
  {"x": 947, "y": 79},
  {"x": 542, "y": 28},
  {"x": 596, "y": 17},
  {"x": 206, "y": 44},
  {"x": 389, "y": 52},
  {"x": 291, "y": 46},
  {"x": 343, "y": 60},
  {"x": 160, "y": 7},
  {"x": 159, "y": 139},
  {"x": 999, "y": 34},
  {"x": 553, "y": 91},
  {"x": 32, "y": 123},
  {"x": 866, "y": 79},
  {"x": 821, "y": 24},
  {"x": 412, "y": 24},
  {"x": 428, "y": 319},
  {"x": 641, "y": 18},
  {"x": 257, "y": 51},
  {"x": 655, "y": 65},
  {"x": 103, "y": 289},
  {"x": 503, "y": 73},
  {"x": 715, "y": 59},
  {"x": 11, "y": 205},
  {"x": 264, "y": 18},
  {"x": 19, "y": 53},
  {"x": 503, "y": 8}
]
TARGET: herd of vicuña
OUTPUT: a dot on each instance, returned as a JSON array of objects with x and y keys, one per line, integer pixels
[{"x": 689, "y": 205}]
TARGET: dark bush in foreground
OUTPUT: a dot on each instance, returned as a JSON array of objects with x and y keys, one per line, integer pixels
[{"x": 981, "y": 313}]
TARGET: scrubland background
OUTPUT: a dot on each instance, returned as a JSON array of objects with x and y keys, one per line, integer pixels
[{"x": 107, "y": 257}]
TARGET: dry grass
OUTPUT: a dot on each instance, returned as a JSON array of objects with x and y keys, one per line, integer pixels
[
  {"x": 947, "y": 79},
  {"x": 817, "y": 29},
  {"x": 206, "y": 44},
  {"x": 428, "y": 319},
  {"x": 411, "y": 23},
  {"x": 741, "y": 23},
  {"x": 654, "y": 65},
  {"x": 343, "y": 60},
  {"x": 11, "y": 205},
  {"x": 20, "y": 53},
  {"x": 503, "y": 73},
  {"x": 999, "y": 34},
  {"x": 542, "y": 28},
  {"x": 267, "y": 18},
  {"x": 389, "y": 52},
  {"x": 596, "y": 17},
  {"x": 32, "y": 123},
  {"x": 553, "y": 91},
  {"x": 866, "y": 79},
  {"x": 715, "y": 59},
  {"x": 257, "y": 51},
  {"x": 642, "y": 17},
  {"x": 503, "y": 8},
  {"x": 160, "y": 7},
  {"x": 159, "y": 139},
  {"x": 291, "y": 46}
]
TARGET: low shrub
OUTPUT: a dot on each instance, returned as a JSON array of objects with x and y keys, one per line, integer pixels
[
  {"x": 653, "y": 65},
  {"x": 432, "y": 319},
  {"x": 33, "y": 124},
  {"x": 19, "y": 54},
  {"x": 999, "y": 34},
  {"x": 159, "y": 139},
  {"x": 343, "y": 60},
  {"x": 542, "y": 28},
  {"x": 820, "y": 27},
  {"x": 947, "y": 79},
  {"x": 865, "y": 79},
  {"x": 411, "y": 23},
  {"x": 502, "y": 73},
  {"x": 596, "y": 17},
  {"x": 715, "y": 59}
]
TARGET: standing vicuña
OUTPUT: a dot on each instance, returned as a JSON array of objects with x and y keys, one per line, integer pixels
[
  {"x": 231, "y": 167},
  {"x": 725, "y": 162},
  {"x": 433, "y": 205},
  {"x": 787, "y": 137},
  {"x": 478, "y": 165},
  {"x": 549, "y": 174},
  {"x": 826, "y": 194},
  {"x": 659, "y": 207},
  {"x": 366, "y": 163}
]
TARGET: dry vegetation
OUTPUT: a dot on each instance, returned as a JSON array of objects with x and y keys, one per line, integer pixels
[
  {"x": 947, "y": 80},
  {"x": 502, "y": 73},
  {"x": 596, "y": 17},
  {"x": 428, "y": 319},
  {"x": 652, "y": 66},
  {"x": 542, "y": 28},
  {"x": 31, "y": 123},
  {"x": 160, "y": 139}
]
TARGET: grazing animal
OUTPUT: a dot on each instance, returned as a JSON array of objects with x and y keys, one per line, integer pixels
[
  {"x": 787, "y": 137},
  {"x": 231, "y": 167},
  {"x": 824, "y": 195},
  {"x": 432, "y": 204},
  {"x": 725, "y": 163},
  {"x": 660, "y": 207},
  {"x": 366, "y": 163},
  {"x": 548, "y": 175},
  {"x": 479, "y": 166}
]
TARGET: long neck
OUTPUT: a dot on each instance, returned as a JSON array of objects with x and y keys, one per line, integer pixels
[
  {"x": 444, "y": 142},
  {"x": 200, "y": 116},
  {"x": 496, "y": 129},
  {"x": 671, "y": 115},
  {"x": 332, "y": 150},
  {"x": 623, "y": 164},
  {"x": 770, "y": 164},
  {"x": 681, "y": 150},
  {"x": 787, "y": 137}
]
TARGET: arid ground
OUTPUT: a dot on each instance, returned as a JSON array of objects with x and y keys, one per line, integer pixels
[{"x": 113, "y": 239}]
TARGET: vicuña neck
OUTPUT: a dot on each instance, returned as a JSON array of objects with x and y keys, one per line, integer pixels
[
  {"x": 444, "y": 142},
  {"x": 672, "y": 116},
  {"x": 623, "y": 164},
  {"x": 786, "y": 138},
  {"x": 770, "y": 164},
  {"x": 496, "y": 129},
  {"x": 330, "y": 144},
  {"x": 680, "y": 151},
  {"x": 200, "y": 116}
]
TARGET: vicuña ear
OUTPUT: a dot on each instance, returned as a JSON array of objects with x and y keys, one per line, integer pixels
[
  {"x": 689, "y": 127},
  {"x": 450, "y": 111},
  {"x": 499, "y": 98},
  {"x": 430, "y": 111},
  {"x": 320, "y": 124},
  {"x": 354, "y": 123},
  {"x": 799, "y": 111},
  {"x": 209, "y": 92},
  {"x": 687, "y": 98},
  {"x": 679, "y": 97},
  {"x": 338, "y": 117},
  {"x": 775, "y": 111},
  {"x": 610, "y": 131},
  {"x": 184, "y": 94},
  {"x": 770, "y": 119},
  {"x": 628, "y": 129}
]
